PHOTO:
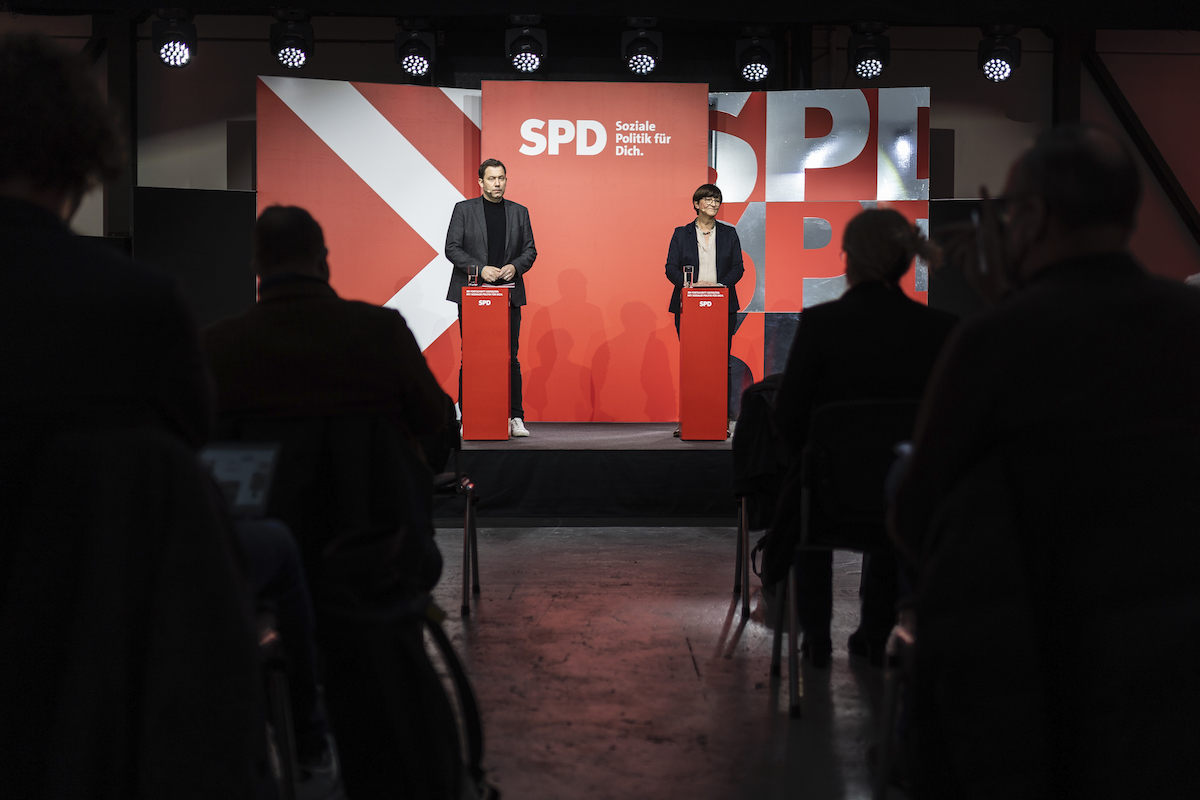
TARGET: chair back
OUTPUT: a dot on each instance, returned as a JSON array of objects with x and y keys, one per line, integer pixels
[
  {"x": 122, "y": 613},
  {"x": 759, "y": 455},
  {"x": 352, "y": 478},
  {"x": 844, "y": 466},
  {"x": 438, "y": 446}
]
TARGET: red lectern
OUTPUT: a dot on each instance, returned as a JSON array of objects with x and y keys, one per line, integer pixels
[
  {"x": 704, "y": 363},
  {"x": 485, "y": 359}
]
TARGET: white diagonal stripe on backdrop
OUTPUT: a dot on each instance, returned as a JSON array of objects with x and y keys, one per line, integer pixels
[
  {"x": 395, "y": 170},
  {"x": 469, "y": 102}
]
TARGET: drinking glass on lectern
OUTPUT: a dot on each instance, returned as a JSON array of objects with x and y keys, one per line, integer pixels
[
  {"x": 687, "y": 277},
  {"x": 473, "y": 275}
]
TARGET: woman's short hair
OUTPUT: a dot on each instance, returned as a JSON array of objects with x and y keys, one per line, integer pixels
[
  {"x": 706, "y": 190},
  {"x": 880, "y": 245},
  {"x": 55, "y": 128}
]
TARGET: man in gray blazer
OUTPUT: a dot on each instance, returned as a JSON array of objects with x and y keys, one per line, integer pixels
[{"x": 493, "y": 235}]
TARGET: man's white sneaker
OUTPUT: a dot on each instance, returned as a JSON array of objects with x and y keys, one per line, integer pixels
[{"x": 516, "y": 427}]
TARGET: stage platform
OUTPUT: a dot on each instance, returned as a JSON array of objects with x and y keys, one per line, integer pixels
[{"x": 571, "y": 472}]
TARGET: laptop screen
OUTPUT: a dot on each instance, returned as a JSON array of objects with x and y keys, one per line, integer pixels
[{"x": 244, "y": 471}]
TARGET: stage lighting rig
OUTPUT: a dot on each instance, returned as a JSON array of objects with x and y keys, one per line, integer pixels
[
  {"x": 292, "y": 37},
  {"x": 415, "y": 49},
  {"x": 755, "y": 56},
  {"x": 999, "y": 52},
  {"x": 526, "y": 44},
  {"x": 174, "y": 37},
  {"x": 868, "y": 50},
  {"x": 641, "y": 49}
]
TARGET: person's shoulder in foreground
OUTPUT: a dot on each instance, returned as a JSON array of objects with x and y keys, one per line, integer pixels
[
  {"x": 80, "y": 320},
  {"x": 1072, "y": 310}
]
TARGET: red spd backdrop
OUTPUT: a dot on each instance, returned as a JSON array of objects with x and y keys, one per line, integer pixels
[
  {"x": 607, "y": 172},
  {"x": 794, "y": 168},
  {"x": 380, "y": 167}
]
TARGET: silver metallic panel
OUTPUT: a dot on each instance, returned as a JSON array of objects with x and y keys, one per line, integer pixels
[
  {"x": 823, "y": 290},
  {"x": 736, "y": 166},
  {"x": 730, "y": 103},
  {"x": 898, "y": 144},
  {"x": 752, "y": 232},
  {"x": 789, "y": 153},
  {"x": 921, "y": 267},
  {"x": 818, "y": 233}
]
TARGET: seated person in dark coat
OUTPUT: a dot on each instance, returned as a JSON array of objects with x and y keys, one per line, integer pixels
[
  {"x": 303, "y": 353},
  {"x": 344, "y": 388},
  {"x": 1072, "y": 409},
  {"x": 873, "y": 343},
  {"x": 128, "y": 665}
]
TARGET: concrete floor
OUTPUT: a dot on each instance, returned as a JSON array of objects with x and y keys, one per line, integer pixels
[{"x": 614, "y": 663}]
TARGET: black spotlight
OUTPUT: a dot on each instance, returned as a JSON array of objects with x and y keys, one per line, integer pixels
[
  {"x": 641, "y": 49},
  {"x": 525, "y": 44},
  {"x": 526, "y": 47},
  {"x": 999, "y": 52},
  {"x": 415, "y": 51},
  {"x": 868, "y": 51},
  {"x": 755, "y": 58},
  {"x": 292, "y": 38},
  {"x": 174, "y": 37}
]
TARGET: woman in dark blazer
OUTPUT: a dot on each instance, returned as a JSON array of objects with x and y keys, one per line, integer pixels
[
  {"x": 873, "y": 343},
  {"x": 721, "y": 250}
]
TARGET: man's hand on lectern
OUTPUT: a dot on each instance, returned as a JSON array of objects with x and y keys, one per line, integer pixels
[
  {"x": 508, "y": 272},
  {"x": 705, "y": 283},
  {"x": 490, "y": 274}
]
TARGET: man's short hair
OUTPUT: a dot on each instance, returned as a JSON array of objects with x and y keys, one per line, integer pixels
[
  {"x": 1086, "y": 176},
  {"x": 286, "y": 236},
  {"x": 55, "y": 129},
  {"x": 705, "y": 190},
  {"x": 491, "y": 162}
]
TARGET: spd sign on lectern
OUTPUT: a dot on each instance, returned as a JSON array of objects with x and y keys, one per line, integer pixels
[
  {"x": 485, "y": 363},
  {"x": 704, "y": 363}
]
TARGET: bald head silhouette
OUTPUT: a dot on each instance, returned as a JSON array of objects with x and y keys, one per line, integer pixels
[{"x": 1086, "y": 177}]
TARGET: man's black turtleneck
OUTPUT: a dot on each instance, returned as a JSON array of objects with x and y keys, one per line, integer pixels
[{"x": 493, "y": 215}]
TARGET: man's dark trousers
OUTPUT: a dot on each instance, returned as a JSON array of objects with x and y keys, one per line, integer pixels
[{"x": 514, "y": 366}]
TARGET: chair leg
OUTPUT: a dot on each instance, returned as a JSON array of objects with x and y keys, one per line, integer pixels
[
  {"x": 745, "y": 559},
  {"x": 893, "y": 677},
  {"x": 777, "y": 641},
  {"x": 466, "y": 560},
  {"x": 793, "y": 646},
  {"x": 285, "y": 737},
  {"x": 741, "y": 534},
  {"x": 474, "y": 540}
]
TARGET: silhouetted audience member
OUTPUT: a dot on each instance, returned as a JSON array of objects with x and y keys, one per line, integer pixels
[
  {"x": 873, "y": 343},
  {"x": 303, "y": 352},
  {"x": 128, "y": 665},
  {"x": 343, "y": 386},
  {"x": 1051, "y": 504}
]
